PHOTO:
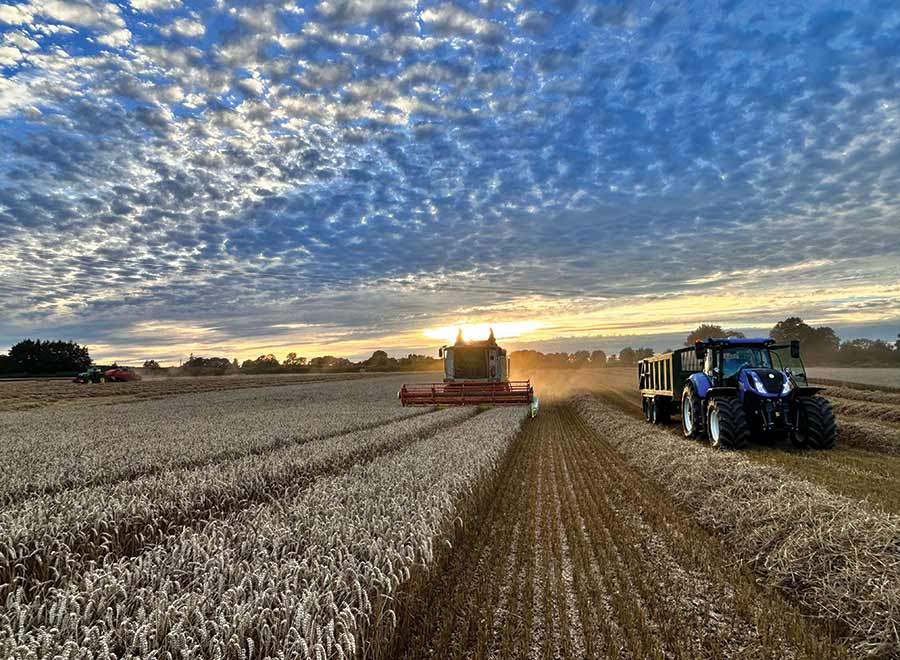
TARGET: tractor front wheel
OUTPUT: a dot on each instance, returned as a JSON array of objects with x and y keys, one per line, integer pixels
[
  {"x": 727, "y": 424},
  {"x": 691, "y": 413},
  {"x": 816, "y": 427}
]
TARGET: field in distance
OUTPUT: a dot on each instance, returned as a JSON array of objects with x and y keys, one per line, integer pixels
[
  {"x": 317, "y": 518},
  {"x": 25, "y": 393}
]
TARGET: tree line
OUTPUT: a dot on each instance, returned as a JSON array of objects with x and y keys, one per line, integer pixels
[
  {"x": 292, "y": 363},
  {"x": 819, "y": 346}
]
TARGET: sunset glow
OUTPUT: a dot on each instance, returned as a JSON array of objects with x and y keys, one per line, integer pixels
[{"x": 478, "y": 331}]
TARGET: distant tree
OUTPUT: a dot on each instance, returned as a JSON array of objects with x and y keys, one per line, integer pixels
[
  {"x": 331, "y": 363},
  {"x": 581, "y": 358},
  {"x": 380, "y": 361},
  {"x": 626, "y": 355},
  {"x": 263, "y": 364},
  {"x": 709, "y": 330},
  {"x": 234, "y": 364},
  {"x": 197, "y": 362},
  {"x": 864, "y": 352},
  {"x": 612, "y": 361},
  {"x": 791, "y": 328},
  {"x": 292, "y": 360},
  {"x": 598, "y": 359},
  {"x": 641, "y": 353},
  {"x": 816, "y": 344},
  {"x": 413, "y": 362},
  {"x": 151, "y": 364},
  {"x": 47, "y": 357}
]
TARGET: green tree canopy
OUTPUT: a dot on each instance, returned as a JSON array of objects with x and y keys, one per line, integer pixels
[
  {"x": 708, "y": 331},
  {"x": 36, "y": 356}
]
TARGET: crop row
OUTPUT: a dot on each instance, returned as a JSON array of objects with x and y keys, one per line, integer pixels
[
  {"x": 866, "y": 409},
  {"x": 308, "y": 576},
  {"x": 836, "y": 556},
  {"x": 49, "y": 539},
  {"x": 45, "y": 451}
]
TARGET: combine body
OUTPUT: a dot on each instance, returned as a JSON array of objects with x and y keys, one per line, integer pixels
[
  {"x": 475, "y": 372},
  {"x": 731, "y": 389}
]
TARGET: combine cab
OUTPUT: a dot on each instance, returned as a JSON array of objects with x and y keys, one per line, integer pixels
[{"x": 475, "y": 372}]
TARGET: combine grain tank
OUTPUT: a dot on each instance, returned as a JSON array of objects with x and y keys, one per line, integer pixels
[{"x": 475, "y": 372}]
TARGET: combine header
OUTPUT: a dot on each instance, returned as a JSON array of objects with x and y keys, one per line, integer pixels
[{"x": 475, "y": 372}]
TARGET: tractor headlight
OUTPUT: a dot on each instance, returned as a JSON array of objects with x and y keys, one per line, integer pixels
[
  {"x": 757, "y": 383},
  {"x": 787, "y": 387}
]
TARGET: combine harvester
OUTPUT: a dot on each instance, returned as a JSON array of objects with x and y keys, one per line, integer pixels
[
  {"x": 730, "y": 389},
  {"x": 475, "y": 373},
  {"x": 112, "y": 375}
]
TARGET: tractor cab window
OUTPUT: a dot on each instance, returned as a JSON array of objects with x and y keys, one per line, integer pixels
[{"x": 735, "y": 359}]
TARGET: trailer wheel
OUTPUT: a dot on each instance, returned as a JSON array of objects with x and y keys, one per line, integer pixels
[
  {"x": 816, "y": 427},
  {"x": 663, "y": 412},
  {"x": 727, "y": 424},
  {"x": 691, "y": 413},
  {"x": 645, "y": 404}
]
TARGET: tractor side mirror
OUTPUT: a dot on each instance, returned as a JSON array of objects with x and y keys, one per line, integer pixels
[{"x": 795, "y": 349}]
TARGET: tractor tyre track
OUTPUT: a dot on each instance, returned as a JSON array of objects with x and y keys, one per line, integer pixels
[
  {"x": 604, "y": 564},
  {"x": 865, "y": 464}
]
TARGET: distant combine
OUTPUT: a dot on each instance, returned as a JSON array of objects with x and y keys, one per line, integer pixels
[{"x": 475, "y": 373}]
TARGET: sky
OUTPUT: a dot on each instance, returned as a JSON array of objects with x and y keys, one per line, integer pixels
[{"x": 337, "y": 176}]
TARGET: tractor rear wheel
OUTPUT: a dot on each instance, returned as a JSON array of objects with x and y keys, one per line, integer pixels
[
  {"x": 816, "y": 427},
  {"x": 727, "y": 424},
  {"x": 691, "y": 413}
]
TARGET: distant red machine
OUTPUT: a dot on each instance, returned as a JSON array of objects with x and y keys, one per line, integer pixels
[
  {"x": 475, "y": 372},
  {"x": 98, "y": 375}
]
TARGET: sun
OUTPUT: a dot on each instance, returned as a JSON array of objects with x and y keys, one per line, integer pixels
[{"x": 476, "y": 331}]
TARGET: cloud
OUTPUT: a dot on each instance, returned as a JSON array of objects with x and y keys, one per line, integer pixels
[
  {"x": 116, "y": 38},
  {"x": 186, "y": 27},
  {"x": 9, "y": 55},
  {"x": 358, "y": 169},
  {"x": 20, "y": 40},
  {"x": 155, "y": 5},
  {"x": 391, "y": 13},
  {"x": 14, "y": 15},
  {"x": 450, "y": 19},
  {"x": 90, "y": 14}
]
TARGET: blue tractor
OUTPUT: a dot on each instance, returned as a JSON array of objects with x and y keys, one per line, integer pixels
[{"x": 734, "y": 389}]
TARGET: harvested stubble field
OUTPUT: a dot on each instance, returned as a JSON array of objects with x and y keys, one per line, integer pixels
[
  {"x": 865, "y": 464},
  {"x": 322, "y": 520},
  {"x": 23, "y": 394}
]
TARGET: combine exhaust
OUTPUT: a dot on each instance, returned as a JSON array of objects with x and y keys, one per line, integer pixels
[{"x": 475, "y": 373}]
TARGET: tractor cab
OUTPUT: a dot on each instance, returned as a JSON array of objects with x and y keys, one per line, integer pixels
[{"x": 733, "y": 362}]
